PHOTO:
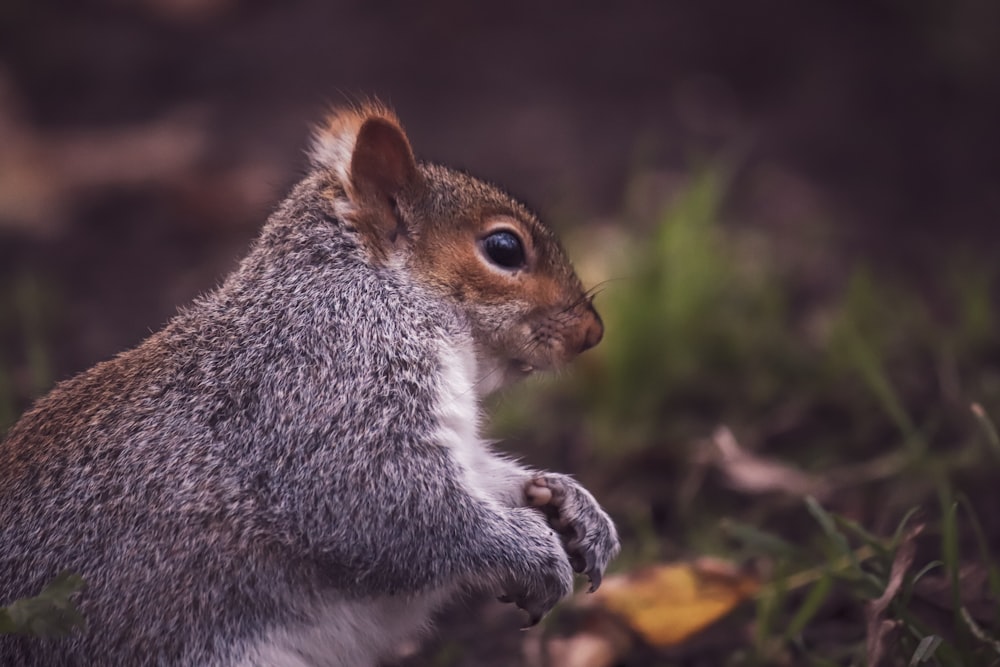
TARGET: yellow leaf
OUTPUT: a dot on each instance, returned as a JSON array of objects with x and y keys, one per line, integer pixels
[{"x": 666, "y": 604}]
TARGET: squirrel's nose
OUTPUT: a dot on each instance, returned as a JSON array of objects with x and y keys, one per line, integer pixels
[{"x": 594, "y": 332}]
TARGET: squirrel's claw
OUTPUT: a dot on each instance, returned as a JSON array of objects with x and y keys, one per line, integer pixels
[
  {"x": 595, "y": 580},
  {"x": 589, "y": 536},
  {"x": 533, "y": 620},
  {"x": 593, "y": 572}
]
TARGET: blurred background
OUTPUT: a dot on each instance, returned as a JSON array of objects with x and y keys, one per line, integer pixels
[{"x": 790, "y": 208}]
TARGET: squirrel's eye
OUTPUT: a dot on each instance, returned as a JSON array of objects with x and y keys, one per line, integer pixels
[{"x": 504, "y": 249}]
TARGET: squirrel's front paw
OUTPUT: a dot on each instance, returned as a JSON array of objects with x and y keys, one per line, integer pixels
[
  {"x": 587, "y": 531},
  {"x": 541, "y": 576}
]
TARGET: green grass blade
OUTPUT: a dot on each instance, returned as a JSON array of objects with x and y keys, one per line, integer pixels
[
  {"x": 829, "y": 526},
  {"x": 950, "y": 555},
  {"x": 978, "y": 632},
  {"x": 877, "y": 544},
  {"x": 985, "y": 554},
  {"x": 988, "y": 427},
  {"x": 807, "y": 610},
  {"x": 925, "y": 650},
  {"x": 758, "y": 539}
]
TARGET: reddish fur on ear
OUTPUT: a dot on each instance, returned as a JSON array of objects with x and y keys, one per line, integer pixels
[{"x": 367, "y": 152}]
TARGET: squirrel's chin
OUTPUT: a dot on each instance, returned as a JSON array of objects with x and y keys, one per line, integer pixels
[
  {"x": 502, "y": 373},
  {"x": 543, "y": 360},
  {"x": 522, "y": 367}
]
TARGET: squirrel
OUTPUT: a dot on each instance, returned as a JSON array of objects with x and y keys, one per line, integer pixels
[{"x": 291, "y": 472}]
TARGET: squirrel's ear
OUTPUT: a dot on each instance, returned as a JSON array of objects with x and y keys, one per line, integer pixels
[
  {"x": 369, "y": 155},
  {"x": 366, "y": 150},
  {"x": 382, "y": 163}
]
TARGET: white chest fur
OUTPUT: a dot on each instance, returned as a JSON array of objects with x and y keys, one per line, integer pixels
[
  {"x": 342, "y": 634},
  {"x": 458, "y": 415},
  {"x": 486, "y": 475}
]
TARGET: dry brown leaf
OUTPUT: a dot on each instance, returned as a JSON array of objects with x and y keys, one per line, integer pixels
[
  {"x": 667, "y": 604},
  {"x": 973, "y": 590},
  {"x": 746, "y": 471},
  {"x": 878, "y": 626}
]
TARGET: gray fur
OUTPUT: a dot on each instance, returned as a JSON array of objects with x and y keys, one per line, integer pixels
[{"x": 265, "y": 462}]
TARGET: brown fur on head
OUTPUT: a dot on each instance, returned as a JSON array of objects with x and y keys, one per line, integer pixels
[{"x": 443, "y": 227}]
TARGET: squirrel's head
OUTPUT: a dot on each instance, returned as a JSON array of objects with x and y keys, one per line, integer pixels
[{"x": 463, "y": 238}]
